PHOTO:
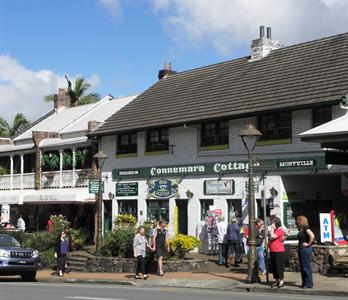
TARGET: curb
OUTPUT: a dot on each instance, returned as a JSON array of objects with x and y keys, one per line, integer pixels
[{"x": 90, "y": 281}]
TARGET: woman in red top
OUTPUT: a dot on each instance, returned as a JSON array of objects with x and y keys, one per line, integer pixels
[{"x": 277, "y": 250}]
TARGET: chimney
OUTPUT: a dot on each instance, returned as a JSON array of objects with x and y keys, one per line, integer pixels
[
  {"x": 62, "y": 99},
  {"x": 264, "y": 45},
  {"x": 93, "y": 125},
  {"x": 167, "y": 71}
]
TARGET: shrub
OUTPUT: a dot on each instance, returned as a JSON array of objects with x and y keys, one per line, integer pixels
[
  {"x": 119, "y": 243},
  {"x": 41, "y": 241},
  {"x": 125, "y": 220},
  {"x": 78, "y": 238},
  {"x": 47, "y": 258},
  {"x": 59, "y": 223},
  {"x": 181, "y": 244}
]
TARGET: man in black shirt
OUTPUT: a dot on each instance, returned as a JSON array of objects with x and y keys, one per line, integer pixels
[{"x": 160, "y": 236}]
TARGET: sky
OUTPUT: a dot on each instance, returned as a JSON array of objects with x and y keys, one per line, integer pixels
[{"x": 120, "y": 45}]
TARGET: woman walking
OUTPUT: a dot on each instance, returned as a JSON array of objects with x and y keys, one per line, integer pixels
[
  {"x": 305, "y": 241},
  {"x": 277, "y": 250},
  {"x": 234, "y": 242},
  {"x": 139, "y": 247},
  {"x": 61, "y": 248}
]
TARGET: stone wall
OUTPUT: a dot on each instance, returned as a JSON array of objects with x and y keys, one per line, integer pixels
[
  {"x": 324, "y": 258},
  {"x": 128, "y": 265}
]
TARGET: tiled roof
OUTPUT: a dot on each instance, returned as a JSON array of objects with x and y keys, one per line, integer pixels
[{"x": 306, "y": 74}]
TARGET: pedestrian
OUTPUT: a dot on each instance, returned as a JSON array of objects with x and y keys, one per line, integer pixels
[
  {"x": 305, "y": 241},
  {"x": 234, "y": 242},
  {"x": 260, "y": 234},
  {"x": 160, "y": 244},
  {"x": 221, "y": 228},
  {"x": 62, "y": 248},
  {"x": 140, "y": 244},
  {"x": 277, "y": 252},
  {"x": 49, "y": 225},
  {"x": 245, "y": 237},
  {"x": 151, "y": 254},
  {"x": 21, "y": 223}
]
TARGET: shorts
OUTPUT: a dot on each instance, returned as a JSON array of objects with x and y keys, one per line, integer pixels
[{"x": 160, "y": 251}]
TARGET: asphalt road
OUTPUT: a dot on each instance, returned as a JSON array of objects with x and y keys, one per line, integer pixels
[{"x": 52, "y": 291}]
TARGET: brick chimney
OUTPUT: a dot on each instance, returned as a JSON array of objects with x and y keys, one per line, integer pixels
[
  {"x": 62, "y": 99},
  {"x": 262, "y": 46},
  {"x": 93, "y": 125},
  {"x": 167, "y": 71}
]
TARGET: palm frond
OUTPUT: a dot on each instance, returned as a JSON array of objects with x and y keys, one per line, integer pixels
[
  {"x": 4, "y": 128},
  {"x": 49, "y": 98}
]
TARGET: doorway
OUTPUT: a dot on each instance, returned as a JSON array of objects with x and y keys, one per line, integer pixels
[
  {"x": 181, "y": 204},
  {"x": 107, "y": 218}
]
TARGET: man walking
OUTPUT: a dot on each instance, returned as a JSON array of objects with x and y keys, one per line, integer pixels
[{"x": 160, "y": 244}]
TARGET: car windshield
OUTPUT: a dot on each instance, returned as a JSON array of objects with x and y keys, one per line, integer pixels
[{"x": 9, "y": 241}]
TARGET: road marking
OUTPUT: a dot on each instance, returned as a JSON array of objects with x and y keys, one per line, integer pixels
[{"x": 91, "y": 298}]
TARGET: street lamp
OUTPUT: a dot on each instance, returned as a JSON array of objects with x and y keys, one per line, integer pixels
[
  {"x": 249, "y": 137},
  {"x": 100, "y": 157}
]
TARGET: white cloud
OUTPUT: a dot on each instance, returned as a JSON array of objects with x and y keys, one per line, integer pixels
[
  {"x": 113, "y": 7},
  {"x": 230, "y": 25},
  {"x": 22, "y": 90}
]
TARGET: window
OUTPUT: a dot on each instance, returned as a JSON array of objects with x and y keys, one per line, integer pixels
[
  {"x": 214, "y": 133},
  {"x": 274, "y": 127},
  {"x": 205, "y": 204},
  {"x": 127, "y": 143},
  {"x": 158, "y": 210},
  {"x": 157, "y": 140},
  {"x": 128, "y": 207},
  {"x": 321, "y": 115},
  {"x": 234, "y": 208}
]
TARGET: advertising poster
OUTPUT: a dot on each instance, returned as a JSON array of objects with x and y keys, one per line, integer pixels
[
  {"x": 5, "y": 213},
  {"x": 340, "y": 227}
]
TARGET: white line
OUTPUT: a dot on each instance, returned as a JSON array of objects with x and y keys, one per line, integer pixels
[{"x": 91, "y": 298}]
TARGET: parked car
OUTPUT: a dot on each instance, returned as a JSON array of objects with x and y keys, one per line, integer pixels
[
  {"x": 17, "y": 260},
  {"x": 8, "y": 226}
]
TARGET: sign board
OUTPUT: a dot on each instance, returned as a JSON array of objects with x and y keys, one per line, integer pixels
[
  {"x": 5, "y": 213},
  {"x": 219, "y": 187},
  {"x": 256, "y": 186},
  {"x": 127, "y": 189},
  {"x": 163, "y": 188},
  {"x": 325, "y": 227},
  {"x": 340, "y": 227},
  {"x": 93, "y": 186}
]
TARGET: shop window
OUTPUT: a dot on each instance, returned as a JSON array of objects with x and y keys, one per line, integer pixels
[
  {"x": 321, "y": 115},
  {"x": 214, "y": 133},
  {"x": 127, "y": 143},
  {"x": 158, "y": 210},
  {"x": 128, "y": 207},
  {"x": 157, "y": 140},
  {"x": 234, "y": 207},
  {"x": 205, "y": 204},
  {"x": 275, "y": 127}
]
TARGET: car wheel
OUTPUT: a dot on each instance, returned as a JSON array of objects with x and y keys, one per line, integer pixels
[{"x": 28, "y": 276}]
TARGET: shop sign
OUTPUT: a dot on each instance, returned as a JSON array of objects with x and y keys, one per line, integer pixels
[
  {"x": 325, "y": 228},
  {"x": 93, "y": 186},
  {"x": 5, "y": 213},
  {"x": 256, "y": 186},
  {"x": 219, "y": 168},
  {"x": 219, "y": 187},
  {"x": 163, "y": 188},
  {"x": 127, "y": 189}
]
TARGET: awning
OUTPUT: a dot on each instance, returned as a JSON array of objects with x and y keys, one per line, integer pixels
[
  {"x": 59, "y": 196},
  {"x": 12, "y": 197}
]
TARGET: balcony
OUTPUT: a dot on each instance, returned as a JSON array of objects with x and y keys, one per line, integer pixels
[{"x": 49, "y": 180}]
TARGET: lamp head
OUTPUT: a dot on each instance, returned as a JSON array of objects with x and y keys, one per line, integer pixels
[{"x": 249, "y": 136}]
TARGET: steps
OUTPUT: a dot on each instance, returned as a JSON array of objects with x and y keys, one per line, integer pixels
[{"x": 77, "y": 261}]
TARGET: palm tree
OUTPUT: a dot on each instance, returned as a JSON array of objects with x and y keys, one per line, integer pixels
[
  {"x": 20, "y": 122},
  {"x": 78, "y": 94}
]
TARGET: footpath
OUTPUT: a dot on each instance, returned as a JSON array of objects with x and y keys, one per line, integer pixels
[{"x": 211, "y": 276}]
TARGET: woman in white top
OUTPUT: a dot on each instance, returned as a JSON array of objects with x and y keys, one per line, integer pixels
[
  {"x": 221, "y": 228},
  {"x": 139, "y": 248}
]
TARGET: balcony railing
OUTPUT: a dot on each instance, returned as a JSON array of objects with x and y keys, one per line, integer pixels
[{"x": 49, "y": 180}]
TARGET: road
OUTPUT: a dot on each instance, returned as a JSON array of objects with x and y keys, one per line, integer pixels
[{"x": 53, "y": 291}]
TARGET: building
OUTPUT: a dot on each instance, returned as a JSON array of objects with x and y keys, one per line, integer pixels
[
  {"x": 175, "y": 150},
  {"x": 45, "y": 169}
]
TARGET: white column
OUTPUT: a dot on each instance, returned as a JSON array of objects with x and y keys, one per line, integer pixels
[
  {"x": 60, "y": 168},
  {"x": 22, "y": 169},
  {"x": 73, "y": 166},
  {"x": 11, "y": 172}
]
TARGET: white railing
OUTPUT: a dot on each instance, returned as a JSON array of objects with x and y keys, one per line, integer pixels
[{"x": 49, "y": 180}]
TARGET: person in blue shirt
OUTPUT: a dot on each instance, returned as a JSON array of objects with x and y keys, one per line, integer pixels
[
  {"x": 234, "y": 241},
  {"x": 62, "y": 248}
]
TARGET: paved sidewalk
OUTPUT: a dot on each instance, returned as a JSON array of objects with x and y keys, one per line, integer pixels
[{"x": 227, "y": 280}]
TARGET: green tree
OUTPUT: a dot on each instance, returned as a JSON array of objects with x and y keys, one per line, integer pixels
[
  {"x": 19, "y": 123},
  {"x": 78, "y": 94}
]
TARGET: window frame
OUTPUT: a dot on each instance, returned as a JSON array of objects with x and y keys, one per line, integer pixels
[
  {"x": 134, "y": 202},
  {"x": 130, "y": 147},
  {"x": 276, "y": 127},
  {"x": 316, "y": 115},
  {"x": 158, "y": 216},
  {"x": 203, "y": 209},
  {"x": 216, "y": 133},
  {"x": 163, "y": 139},
  {"x": 239, "y": 212}
]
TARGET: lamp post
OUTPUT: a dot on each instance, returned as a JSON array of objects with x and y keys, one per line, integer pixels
[
  {"x": 249, "y": 137},
  {"x": 100, "y": 157}
]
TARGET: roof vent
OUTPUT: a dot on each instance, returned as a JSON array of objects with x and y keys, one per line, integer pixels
[{"x": 262, "y": 46}]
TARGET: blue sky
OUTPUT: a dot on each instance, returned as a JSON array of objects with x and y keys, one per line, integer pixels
[{"x": 119, "y": 46}]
